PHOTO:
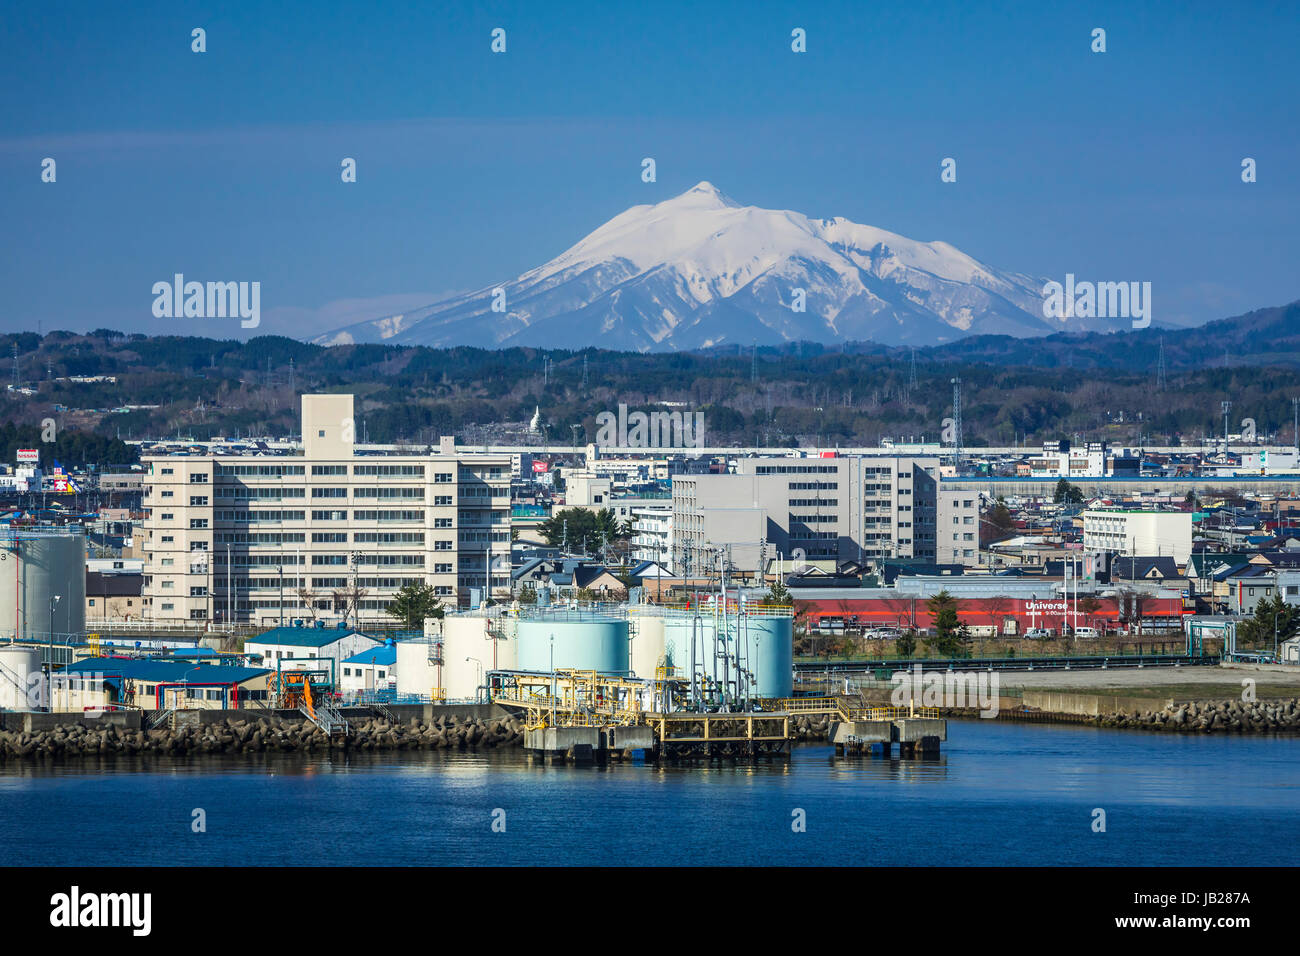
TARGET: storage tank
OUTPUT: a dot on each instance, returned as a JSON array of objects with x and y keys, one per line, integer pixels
[
  {"x": 474, "y": 643},
  {"x": 583, "y": 640},
  {"x": 646, "y": 625},
  {"x": 18, "y": 666},
  {"x": 38, "y": 563},
  {"x": 763, "y": 636}
]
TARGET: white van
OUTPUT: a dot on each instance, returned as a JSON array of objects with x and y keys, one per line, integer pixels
[{"x": 1087, "y": 633}]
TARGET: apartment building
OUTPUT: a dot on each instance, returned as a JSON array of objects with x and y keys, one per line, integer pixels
[
  {"x": 1138, "y": 532},
  {"x": 852, "y": 508},
  {"x": 652, "y": 538},
  {"x": 324, "y": 535}
]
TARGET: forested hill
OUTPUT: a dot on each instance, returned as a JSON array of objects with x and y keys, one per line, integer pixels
[{"x": 1026, "y": 390}]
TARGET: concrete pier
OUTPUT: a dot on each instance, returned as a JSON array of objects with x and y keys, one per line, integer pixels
[
  {"x": 581, "y": 745},
  {"x": 914, "y": 735}
]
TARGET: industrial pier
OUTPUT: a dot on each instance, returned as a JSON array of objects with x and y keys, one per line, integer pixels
[{"x": 585, "y": 716}]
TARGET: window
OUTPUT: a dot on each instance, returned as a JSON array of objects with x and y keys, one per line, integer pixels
[
  {"x": 198, "y": 501},
  {"x": 321, "y": 433},
  {"x": 198, "y": 523},
  {"x": 199, "y": 478},
  {"x": 329, "y": 469},
  {"x": 329, "y": 492}
]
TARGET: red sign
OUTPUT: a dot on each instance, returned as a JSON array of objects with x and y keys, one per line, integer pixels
[{"x": 541, "y": 466}]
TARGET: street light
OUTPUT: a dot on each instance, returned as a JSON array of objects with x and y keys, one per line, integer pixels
[{"x": 54, "y": 600}]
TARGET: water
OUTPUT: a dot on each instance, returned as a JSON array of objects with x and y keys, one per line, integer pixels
[{"x": 1001, "y": 794}]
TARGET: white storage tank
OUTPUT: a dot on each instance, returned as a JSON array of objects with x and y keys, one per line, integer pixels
[
  {"x": 474, "y": 643},
  {"x": 39, "y": 564},
  {"x": 22, "y": 685},
  {"x": 648, "y": 651}
]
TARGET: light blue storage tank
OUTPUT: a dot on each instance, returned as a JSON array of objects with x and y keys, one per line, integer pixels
[
  {"x": 768, "y": 654},
  {"x": 584, "y": 640},
  {"x": 771, "y": 653}
]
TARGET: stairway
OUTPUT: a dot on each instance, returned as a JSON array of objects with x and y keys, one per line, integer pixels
[{"x": 327, "y": 719}]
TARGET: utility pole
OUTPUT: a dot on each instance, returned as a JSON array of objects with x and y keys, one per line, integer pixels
[{"x": 1227, "y": 406}]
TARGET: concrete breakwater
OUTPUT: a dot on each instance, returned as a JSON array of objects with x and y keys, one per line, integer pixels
[
  {"x": 260, "y": 734},
  {"x": 1227, "y": 716},
  {"x": 811, "y": 728},
  {"x": 1188, "y": 717}
]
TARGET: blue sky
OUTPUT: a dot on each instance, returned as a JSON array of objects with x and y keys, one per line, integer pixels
[{"x": 473, "y": 167}]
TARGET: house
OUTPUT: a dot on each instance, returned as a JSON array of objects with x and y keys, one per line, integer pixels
[
  {"x": 113, "y": 597},
  {"x": 296, "y": 646},
  {"x": 372, "y": 671},
  {"x": 98, "y": 683},
  {"x": 1160, "y": 569},
  {"x": 565, "y": 577}
]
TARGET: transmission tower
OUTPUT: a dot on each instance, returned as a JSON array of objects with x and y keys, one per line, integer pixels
[
  {"x": 15, "y": 365},
  {"x": 1161, "y": 381},
  {"x": 753, "y": 363},
  {"x": 911, "y": 380},
  {"x": 584, "y": 374}
]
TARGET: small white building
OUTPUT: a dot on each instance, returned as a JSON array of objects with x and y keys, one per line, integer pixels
[
  {"x": 1138, "y": 532},
  {"x": 371, "y": 671},
  {"x": 298, "y": 646}
]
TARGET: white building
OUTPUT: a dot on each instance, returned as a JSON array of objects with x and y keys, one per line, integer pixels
[
  {"x": 1137, "y": 532},
  {"x": 373, "y": 670},
  {"x": 298, "y": 646},
  {"x": 652, "y": 538},
  {"x": 326, "y": 534},
  {"x": 845, "y": 508}
]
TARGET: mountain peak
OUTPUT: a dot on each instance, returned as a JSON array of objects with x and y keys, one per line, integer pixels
[
  {"x": 704, "y": 193},
  {"x": 700, "y": 269}
]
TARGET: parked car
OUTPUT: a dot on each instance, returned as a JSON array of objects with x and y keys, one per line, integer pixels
[
  {"x": 1038, "y": 633},
  {"x": 1087, "y": 633}
]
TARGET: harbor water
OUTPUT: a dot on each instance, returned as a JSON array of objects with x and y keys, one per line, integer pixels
[{"x": 1000, "y": 794}]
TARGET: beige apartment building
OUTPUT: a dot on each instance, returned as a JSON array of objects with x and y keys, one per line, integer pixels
[
  {"x": 330, "y": 534},
  {"x": 848, "y": 508}
]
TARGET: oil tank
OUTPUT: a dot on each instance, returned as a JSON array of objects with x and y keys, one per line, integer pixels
[
  {"x": 37, "y": 564},
  {"x": 19, "y": 665},
  {"x": 646, "y": 625},
  {"x": 474, "y": 643},
  {"x": 579, "y": 639},
  {"x": 762, "y": 638}
]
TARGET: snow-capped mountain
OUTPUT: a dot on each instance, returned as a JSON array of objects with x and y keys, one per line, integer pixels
[{"x": 701, "y": 270}]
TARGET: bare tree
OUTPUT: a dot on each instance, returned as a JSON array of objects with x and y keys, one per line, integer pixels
[{"x": 308, "y": 598}]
